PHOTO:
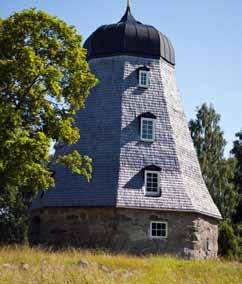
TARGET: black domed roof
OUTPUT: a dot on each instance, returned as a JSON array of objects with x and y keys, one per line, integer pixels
[{"x": 129, "y": 37}]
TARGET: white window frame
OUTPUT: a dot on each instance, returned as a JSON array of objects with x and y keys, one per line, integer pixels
[
  {"x": 141, "y": 129},
  {"x": 148, "y": 193},
  {"x": 158, "y": 237},
  {"x": 146, "y": 85}
]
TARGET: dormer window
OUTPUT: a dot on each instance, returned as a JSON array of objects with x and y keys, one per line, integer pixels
[
  {"x": 152, "y": 181},
  {"x": 144, "y": 77},
  {"x": 147, "y": 127}
]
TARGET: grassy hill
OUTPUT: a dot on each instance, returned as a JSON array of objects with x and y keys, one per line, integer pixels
[{"x": 32, "y": 266}]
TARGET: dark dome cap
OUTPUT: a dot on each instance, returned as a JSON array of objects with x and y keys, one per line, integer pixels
[{"x": 129, "y": 37}]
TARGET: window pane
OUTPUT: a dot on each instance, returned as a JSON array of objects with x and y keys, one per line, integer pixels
[
  {"x": 153, "y": 226},
  {"x": 152, "y": 183},
  {"x": 149, "y": 186},
  {"x": 158, "y": 226},
  {"x": 147, "y": 129},
  {"x": 158, "y": 229},
  {"x": 143, "y": 78},
  {"x": 159, "y": 233}
]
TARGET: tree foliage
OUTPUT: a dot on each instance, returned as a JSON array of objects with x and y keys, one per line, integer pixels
[
  {"x": 44, "y": 81},
  {"x": 218, "y": 172},
  {"x": 209, "y": 142},
  {"x": 228, "y": 244},
  {"x": 227, "y": 195},
  {"x": 14, "y": 214},
  {"x": 237, "y": 217},
  {"x": 237, "y": 152}
]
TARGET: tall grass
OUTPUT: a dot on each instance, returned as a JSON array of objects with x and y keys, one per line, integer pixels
[{"x": 36, "y": 266}]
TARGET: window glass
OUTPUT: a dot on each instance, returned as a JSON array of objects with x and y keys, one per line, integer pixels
[
  {"x": 158, "y": 229},
  {"x": 144, "y": 79},
  {"x": 147, "y": 129},
  {"x": 152, "y": 183}
]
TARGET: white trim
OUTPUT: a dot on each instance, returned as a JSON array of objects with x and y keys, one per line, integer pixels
[
  {"x": 158, "y": 237},
  {"x": 147, "y": 79},
  {"x": 154, "y": 194},
  {"x": 153, "y": 129}
]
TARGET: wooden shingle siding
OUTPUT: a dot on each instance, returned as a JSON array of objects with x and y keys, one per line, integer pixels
[{"x": 110, "y": 134}]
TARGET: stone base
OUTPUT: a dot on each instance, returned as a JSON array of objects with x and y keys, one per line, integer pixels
[{"x": 189, "y": 234}]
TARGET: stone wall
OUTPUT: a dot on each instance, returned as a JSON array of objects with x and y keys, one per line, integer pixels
[{"x": 189, "y": 235}]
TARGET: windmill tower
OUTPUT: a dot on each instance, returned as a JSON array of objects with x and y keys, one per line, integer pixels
[{"x": 147, "y": 193}]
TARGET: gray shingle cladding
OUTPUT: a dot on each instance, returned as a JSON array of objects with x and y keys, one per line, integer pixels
[{"x": 110, "y": 135}]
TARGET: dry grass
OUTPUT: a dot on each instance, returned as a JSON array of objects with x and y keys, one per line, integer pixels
[{"x": 36, "y": 266}]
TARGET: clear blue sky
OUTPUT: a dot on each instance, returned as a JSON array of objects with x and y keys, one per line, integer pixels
[{"x": 207, "y": 36}]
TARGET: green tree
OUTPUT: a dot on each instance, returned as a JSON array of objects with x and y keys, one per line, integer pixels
[
  {"x": 209, "y": 142},
  {"x": 44, "y": 81},
  {"x": 228, "y": 244},
  {"x": 218, "y": 172},
  {"x": 227, "y": 197},
  {"x": 237, "y": 152},
  {"x": 14, "y": 215}
]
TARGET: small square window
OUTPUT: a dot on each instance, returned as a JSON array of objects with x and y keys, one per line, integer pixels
[
  {"x": 144, "y": 79},
  {"x": 158, "y": 230},
  {"x": 152, "y": 183},
  {"x": 147, "y": 129}
]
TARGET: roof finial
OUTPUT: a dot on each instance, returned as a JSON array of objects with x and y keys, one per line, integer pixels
[{"x": 128, "y": 17}]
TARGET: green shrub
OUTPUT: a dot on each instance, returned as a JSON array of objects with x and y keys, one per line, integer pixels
[{"x": 228, "y": 241}]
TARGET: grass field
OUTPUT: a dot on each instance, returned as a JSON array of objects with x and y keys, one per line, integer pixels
[{"x": 24, "y": 265}]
